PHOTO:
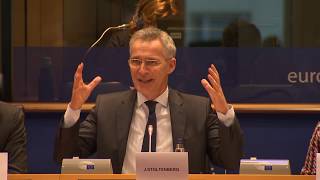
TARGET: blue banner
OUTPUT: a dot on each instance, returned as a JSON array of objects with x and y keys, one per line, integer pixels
[{"x": 248, "y": 75}]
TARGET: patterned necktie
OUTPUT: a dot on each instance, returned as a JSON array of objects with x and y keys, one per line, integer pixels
[
  {"x": 152, "y": 120},
  {"x": 310, "y": 163}
]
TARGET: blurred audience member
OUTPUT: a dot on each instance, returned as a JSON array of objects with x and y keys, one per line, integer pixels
[
  {"x": 241, "y": 33},
  {"x": 147, "y": 13}
]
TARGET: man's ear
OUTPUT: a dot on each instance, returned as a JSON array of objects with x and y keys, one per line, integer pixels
[{"x": 172, "y": 65}]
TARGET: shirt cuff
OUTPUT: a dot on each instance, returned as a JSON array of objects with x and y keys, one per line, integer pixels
[
  {"x": 71, "y": 116},
  {"x": 228, "y": 118}
]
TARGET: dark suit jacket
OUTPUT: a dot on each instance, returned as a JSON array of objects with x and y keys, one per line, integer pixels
[
  {"x": 13, "y": 137},
  {"x": 105, "y": 132}
]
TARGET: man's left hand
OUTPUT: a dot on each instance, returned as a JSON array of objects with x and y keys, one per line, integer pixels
[{"x": 213, "y": 88}]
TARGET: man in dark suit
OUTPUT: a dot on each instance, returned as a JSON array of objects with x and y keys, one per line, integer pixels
[
  {"x": 116, "y": 127},
  {"x": 13, "y": 138}
]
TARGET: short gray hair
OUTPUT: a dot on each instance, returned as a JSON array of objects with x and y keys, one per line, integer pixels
[{"x": 152, "y": 33}]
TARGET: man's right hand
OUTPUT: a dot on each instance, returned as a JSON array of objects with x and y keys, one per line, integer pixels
[{"x": 80, "y": 90}]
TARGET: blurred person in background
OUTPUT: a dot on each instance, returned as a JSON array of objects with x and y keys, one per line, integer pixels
[{"x": 147, "y": 13}]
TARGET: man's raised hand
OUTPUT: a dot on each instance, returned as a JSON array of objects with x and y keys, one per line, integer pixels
[
  {"x": 213, "y": 88},
  {"x": 80, "y": 90}
]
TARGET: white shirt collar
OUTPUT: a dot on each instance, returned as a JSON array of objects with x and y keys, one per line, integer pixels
[{"x": 162, "y": 99}]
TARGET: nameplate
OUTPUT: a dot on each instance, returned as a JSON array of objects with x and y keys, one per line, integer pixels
[
  {"x": 4, "y": 166},
  {"x": 162, "y": 165},
  {"x": 318, "y": 167},
  {"x": 86, "y": 166}
]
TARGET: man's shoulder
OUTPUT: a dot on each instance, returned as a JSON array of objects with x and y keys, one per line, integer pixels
[
  {"x": 10, "y": 114},
  {"x": 187, "y": 96},
  {"x": 6, "y": 108},
  {"x": 117, "y": 96}
]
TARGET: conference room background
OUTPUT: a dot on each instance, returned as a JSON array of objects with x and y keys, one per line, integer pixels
[{"x": 43, "y": 41}]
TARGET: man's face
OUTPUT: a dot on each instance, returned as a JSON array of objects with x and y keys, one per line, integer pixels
[{"x": 151, "y": 76}]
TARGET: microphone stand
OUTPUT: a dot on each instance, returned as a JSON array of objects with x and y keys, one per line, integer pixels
[
  {"x": 150, "y": 129},
  {"x": 101, "y": 36}
]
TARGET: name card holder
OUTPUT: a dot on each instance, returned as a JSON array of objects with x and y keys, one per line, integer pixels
[
  {"x": 162, "y": 165},
  {"x": 4, "y": 166}
]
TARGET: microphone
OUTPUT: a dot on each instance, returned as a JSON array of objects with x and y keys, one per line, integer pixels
[
  {"x": 122, "y": 26},
  {"x": 150, "y": 129}
]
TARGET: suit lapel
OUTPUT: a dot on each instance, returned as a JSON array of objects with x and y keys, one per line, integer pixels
[
  {"x": 178, "y": 118},
  {"x": 123, "y": 120}
]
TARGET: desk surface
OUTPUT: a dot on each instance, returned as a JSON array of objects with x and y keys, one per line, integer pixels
[
  {"x": 241, "y": 108},
  {"x": 133, "y": 177}
]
